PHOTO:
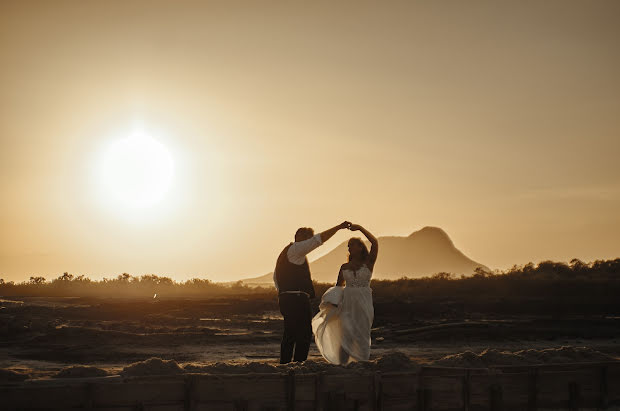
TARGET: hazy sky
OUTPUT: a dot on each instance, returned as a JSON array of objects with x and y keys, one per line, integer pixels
[{"x": 496, "y": 121}]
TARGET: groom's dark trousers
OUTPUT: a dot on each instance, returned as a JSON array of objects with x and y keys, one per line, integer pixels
[
  {"x": 295, "y": 290},
  {"x": 295, "y": 309}
]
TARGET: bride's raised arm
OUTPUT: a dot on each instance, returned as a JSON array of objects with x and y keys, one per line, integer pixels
[{"x": 374, "y": 244}]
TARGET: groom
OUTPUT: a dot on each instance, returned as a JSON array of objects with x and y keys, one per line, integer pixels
[{"x": 294, "y": 285}]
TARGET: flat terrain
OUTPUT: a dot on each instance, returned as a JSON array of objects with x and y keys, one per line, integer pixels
[{"x": 42, "y": 335}]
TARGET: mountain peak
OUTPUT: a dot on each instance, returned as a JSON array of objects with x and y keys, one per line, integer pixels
[
  {"x": 424, "y": 252},
  {"x": 430, "y": 233},
  {"x": 429, "y": 229}
]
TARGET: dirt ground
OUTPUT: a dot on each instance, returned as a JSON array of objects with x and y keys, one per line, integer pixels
[{"x": 41, "y": 337}]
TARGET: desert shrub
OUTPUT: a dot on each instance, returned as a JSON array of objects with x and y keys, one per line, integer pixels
[{"x": 548, "y": 284}]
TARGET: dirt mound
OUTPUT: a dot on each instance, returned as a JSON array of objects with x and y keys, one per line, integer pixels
[
  {"x": 389, "y": 362},
  {"x": 310, "y": 366},
  {"x": 492, "y": 356},
  {"x": 152, "y": 366},
  {"x": 12, "y": 376},
  {"x": 80, "y": 371},
  {"x": 232, "y": 368},
  {"x": 486, "y": 358},
  {"x": 565, "y": 354},
  {"x": 395, "y": 361},
  {"x": 313, "y": 366}
]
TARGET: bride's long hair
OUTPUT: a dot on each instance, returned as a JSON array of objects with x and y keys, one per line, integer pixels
[{"x": 364, "y": 250}]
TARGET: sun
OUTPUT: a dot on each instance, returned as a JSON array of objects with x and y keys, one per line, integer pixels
[{"x": 137, "y": 171}]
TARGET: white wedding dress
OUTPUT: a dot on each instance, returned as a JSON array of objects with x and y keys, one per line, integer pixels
[{"x": 342, "y": 332}]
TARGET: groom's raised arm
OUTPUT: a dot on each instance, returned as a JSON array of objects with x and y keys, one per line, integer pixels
[
  {"x": 327, "y": 234},
  {"x": 298, "y": 251}
]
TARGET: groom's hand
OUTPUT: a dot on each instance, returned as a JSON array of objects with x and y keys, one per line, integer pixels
[
  {"x": 345, "y": 224},
  {"x": 327, "y": 234}
]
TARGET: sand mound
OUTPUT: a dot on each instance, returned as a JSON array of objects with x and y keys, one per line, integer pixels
[
  {"x": 10, "y": 376},
  {"x": 152, "y": 366},
  {"x": 395, "y": 361},
  {"x": 310, "y": 366},
  {"x": 80, "y": 371},
  {"x": 483, "y": 360},
  {"x": 389, "y": 362},
  {"x": 313, "y": 366},
  {"x": 565, "y": 354},
  {"x": 232, "y": 368},
  {"x": 492, "y": 356}
]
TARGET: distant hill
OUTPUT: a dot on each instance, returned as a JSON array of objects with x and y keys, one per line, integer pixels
[{"x": 424, "y": 252}]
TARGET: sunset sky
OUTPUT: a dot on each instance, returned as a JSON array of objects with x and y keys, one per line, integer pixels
[{"x": 496, "y": 121}]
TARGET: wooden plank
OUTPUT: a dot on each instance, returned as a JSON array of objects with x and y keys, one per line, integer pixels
[
  {"x": 515, "y": 390},
  {"x": 318, "y": 393},
  {"x": 305, "y": 388},
  {"x": 574, "y": 396},
  {"x": 164, "y": 392},
  {"x": 466, "y": 391},
  {"x": 603, "y": 397},
  {"x": 241, "y": 404},
  {"x": 479, "y": 391},
  {"x": 31, "y": 396},
  {"x": 335, "y": 401},
  {"x": 352, "y": 391},
  {"x": 578, "y": 388},
  {"x": 424, "y": 397},
  {"x": 450, "y": 371},
  {"x": 378, "y": 392},
  {"x": 158, "y": 407},
  {"x": 442, "y": 392},
  {"x": 613, "y": 385},
  {"x": 299, "y": 406},
  {"x": 532, "y": 390},
  {"x": 553, "y": 388},
  {"x": 88, "y": 406},
  {"x": 496, "y": 399},
  {"x": 190, "y": 386},
  {"x": 290, "y": 391},
  {"x": 553, "y": 367},
  {"x": 399, "y": 386},
  {"x": 215, "y": 406},
  {"x": 586, "y": 388},
  {"x": 350, "y": 383},
  {"x": 212, "y": 388},
  {"x": 563, "y": 386},
  {"x": 398, "y": 391}
]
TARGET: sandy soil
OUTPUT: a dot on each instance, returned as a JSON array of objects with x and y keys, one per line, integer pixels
[{"x": 47, "y": 337}]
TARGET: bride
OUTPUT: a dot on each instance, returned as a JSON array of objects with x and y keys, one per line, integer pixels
[{"x": 342, "y": 326}]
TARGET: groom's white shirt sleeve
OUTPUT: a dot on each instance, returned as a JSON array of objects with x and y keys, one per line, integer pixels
[{"x": 298, "y": 250}]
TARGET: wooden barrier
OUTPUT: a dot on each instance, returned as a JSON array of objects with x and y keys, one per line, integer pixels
[{"x": 576, "y": 386}]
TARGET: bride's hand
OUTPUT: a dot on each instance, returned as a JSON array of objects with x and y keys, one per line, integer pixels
[{"x": 355, "y": 227}]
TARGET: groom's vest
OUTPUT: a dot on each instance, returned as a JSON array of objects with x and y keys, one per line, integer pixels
[{"x": 293, "y": 277}]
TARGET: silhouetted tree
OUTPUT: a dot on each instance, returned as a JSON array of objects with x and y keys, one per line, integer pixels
[
  {"x": 37, "y": 280},
  {"x": 124, "y": 277},
  {"x": 441, "y": 276},
  {"x": 65, "y": 277}
]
